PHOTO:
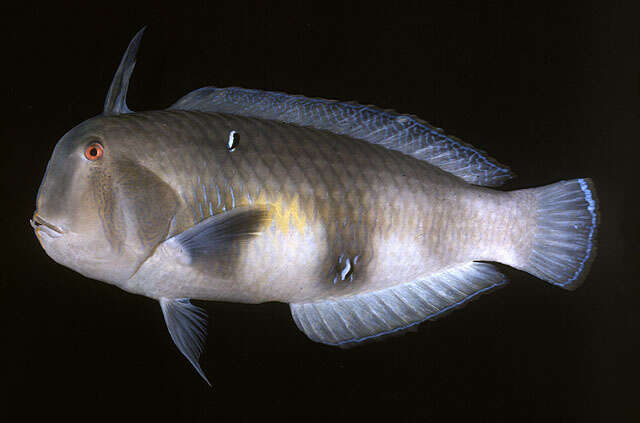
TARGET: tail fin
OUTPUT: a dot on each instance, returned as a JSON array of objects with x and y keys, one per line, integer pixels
[{"x": 564, "y": 243}]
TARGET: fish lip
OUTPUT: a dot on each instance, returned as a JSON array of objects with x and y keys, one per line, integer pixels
[{"x": 38, "y": 223}]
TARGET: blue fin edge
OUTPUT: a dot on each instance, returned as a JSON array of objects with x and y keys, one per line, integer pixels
[
  {"x": 191, "y": 101},
  {"x": 589, "y": 198},
  {"x": 431, "y": 316}
]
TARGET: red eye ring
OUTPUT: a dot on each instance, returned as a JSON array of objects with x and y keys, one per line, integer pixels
[{"x": 94, "y": 151}]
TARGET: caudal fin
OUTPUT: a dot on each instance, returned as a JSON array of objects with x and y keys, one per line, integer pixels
[{"x": 565, "y": 238}]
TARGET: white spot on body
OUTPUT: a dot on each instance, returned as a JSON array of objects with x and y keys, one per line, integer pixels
[
  {"x": 347, "y": 269},
  {"x": 232, "y": 142}
]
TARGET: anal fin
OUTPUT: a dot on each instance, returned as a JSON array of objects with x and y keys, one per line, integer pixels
[{"x": 365, "y": 316}]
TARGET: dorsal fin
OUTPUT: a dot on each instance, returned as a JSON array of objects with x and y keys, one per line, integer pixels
[
  {"x": 116, "y": 101},
  {"x": 404, "y": 133}
]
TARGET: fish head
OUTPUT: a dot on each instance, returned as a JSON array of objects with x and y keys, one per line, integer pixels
[{"x": 100, "y": 210}]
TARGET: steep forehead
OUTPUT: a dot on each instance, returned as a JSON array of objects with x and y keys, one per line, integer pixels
[
  {"x": 125, "y": 128},
  {"x": 109, "y": 130},
  {"x": 67, "y": 157},
  {"x": 102, "y": 127},
  {"x": 76, "y": 136}
]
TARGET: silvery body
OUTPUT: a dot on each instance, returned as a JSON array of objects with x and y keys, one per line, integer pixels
[{"x": 366, "y": 221}]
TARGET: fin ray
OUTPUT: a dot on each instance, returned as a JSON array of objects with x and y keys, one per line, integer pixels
[
  {"x": 214, "y": 235},
  {"x": 187, "y": 326},
  {"x": 405, "y": 133},
  {"x": 116, "y": 101},
  {"x": 365, "y": 316},
  {"x": 564, "y": 244}
]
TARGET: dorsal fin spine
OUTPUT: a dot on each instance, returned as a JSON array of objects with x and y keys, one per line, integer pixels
[{"x": 116, "y": 101}]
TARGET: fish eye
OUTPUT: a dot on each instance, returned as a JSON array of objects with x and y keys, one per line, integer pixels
[{"x": 94, "y": 151}]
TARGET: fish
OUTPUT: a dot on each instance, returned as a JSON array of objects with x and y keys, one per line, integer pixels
[{"x": 367, "y": 222}]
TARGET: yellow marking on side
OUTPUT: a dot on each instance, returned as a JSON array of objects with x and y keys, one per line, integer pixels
[{"x": 287, "y": 213}]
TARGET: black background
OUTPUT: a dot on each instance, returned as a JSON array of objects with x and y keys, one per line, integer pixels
[{"x": 552, "y": 91}]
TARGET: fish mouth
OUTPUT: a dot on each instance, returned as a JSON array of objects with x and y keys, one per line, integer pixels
[{"x": 41, "y": 225}]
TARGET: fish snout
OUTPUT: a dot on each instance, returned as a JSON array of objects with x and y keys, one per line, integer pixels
[{"x": 41, "y": 225}]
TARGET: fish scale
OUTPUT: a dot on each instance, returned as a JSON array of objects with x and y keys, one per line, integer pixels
[
  {"x": 285, "y": 173},
  {"x": 287, "y": 177},
  {"x": 366, "y": 221}
]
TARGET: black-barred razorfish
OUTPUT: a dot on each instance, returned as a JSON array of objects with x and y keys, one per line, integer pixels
[{"x": 365, "y": 221}]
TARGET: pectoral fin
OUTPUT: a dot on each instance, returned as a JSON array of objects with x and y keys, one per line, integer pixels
[
  {"x": 213, "y": 238},
  {"x": 187, "y": 326}
]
